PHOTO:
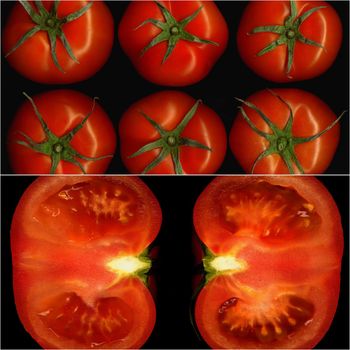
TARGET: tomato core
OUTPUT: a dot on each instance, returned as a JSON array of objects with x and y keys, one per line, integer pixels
[{"x": 128, "y": 265}]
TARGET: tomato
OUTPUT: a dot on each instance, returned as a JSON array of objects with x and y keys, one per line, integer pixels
[
  {"x": 78, "y": 264},
  {"x": 285, "y": 41},
  {"x": 169, "y": 132},
  {"x": 66, "y": 42},
  {"x": 306, "y": 143},
  {"x": 73, "y": 135},
  {"x": 173, "y": 43},
  {"x": 273, "y": 269}
]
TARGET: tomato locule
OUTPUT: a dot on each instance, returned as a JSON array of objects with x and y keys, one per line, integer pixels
[{"x": 79, "y": 252}]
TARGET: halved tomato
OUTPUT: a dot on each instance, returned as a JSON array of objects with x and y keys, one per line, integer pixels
[
  {"x": 79, "y": 263},
  {"x": 273, "y": 262}
]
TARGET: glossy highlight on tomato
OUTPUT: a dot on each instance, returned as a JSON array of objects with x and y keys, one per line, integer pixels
[
  {"x": 75, "y": 135},
  {"x": 283, "y": 131},
  {"x": 66, "y": 42},
  {"x": 274, "y": 248},
  {"x": 173, "y": 43},
  {"x": 289, "y": 40},
  {"x": 79, "y": 261},
  {"x": 169, "y": 132}
]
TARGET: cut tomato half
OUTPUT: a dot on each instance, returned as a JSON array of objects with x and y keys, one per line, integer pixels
[
  {"x": 79, "y": 249},
  {"x": 274, "y": 248}
]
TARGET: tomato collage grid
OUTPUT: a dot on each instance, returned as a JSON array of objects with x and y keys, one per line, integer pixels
[{"x": 175, "y": 174}]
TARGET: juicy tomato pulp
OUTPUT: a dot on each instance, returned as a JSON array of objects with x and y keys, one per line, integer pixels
[
  {"x": 276, "y": 247},
  {"x": 76, "y": 245}
]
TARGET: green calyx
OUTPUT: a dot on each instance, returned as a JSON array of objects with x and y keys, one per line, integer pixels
[
  {"x": 170, "y": 142},
  {"x": 49, "y": 22},
  {"x": 58, "y": 148},
  {"x": 289, "y": 33},
  {"x": 172, "y": 31},
  {"x": 209, "y": 270},
  {"x": 143, "y": 273},
  {"x": 281, "y": 141}
]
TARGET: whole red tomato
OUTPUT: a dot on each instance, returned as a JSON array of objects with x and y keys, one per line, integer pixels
[
  {"x": 169, "y": 132},
  {"x": 292, "y": 40},
  {"x": 62, "y": 132},
  {"x": 274, "y": 249},
  {"x": 58, "y": 42},
  {"x": 284, "y": 131},
  {"x": 174, "y": 43},
  {"x": 78, "y": 261}
]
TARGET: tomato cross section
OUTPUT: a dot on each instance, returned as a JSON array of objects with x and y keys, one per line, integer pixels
[
  {"x": 272, "y": 264},
  {"x": 79, "y": 247}
]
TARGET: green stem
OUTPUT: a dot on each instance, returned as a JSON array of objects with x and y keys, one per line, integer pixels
[{"x": 48, "y": 21}]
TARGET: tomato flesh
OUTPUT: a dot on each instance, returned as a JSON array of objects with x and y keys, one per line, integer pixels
[
  {"x": 273, "y": 278},
  {"x": 76, "y": 246}
]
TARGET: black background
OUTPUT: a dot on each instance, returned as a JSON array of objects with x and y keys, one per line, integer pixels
[
  {"x": 173, "y": 269},
  {"x": 118, "y": 85}
]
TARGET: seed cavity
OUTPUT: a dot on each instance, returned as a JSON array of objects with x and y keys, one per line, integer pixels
[
  {"x": 265, "y": 320},
  {"x": 268, "y": 211}
]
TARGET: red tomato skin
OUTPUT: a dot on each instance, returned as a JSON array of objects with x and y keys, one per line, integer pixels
[
  {"x": 189, "y": 62},
  {"x": 90, "y": 36},
  {"x": 168, "y": 108},
  {"x": 62, "y": 110},
  {"x": 323, "y": 26},
  {"x": 311, "y": 116},
  {"x": 26, "y": 243},
  {"x": 220, "y": 241}
]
